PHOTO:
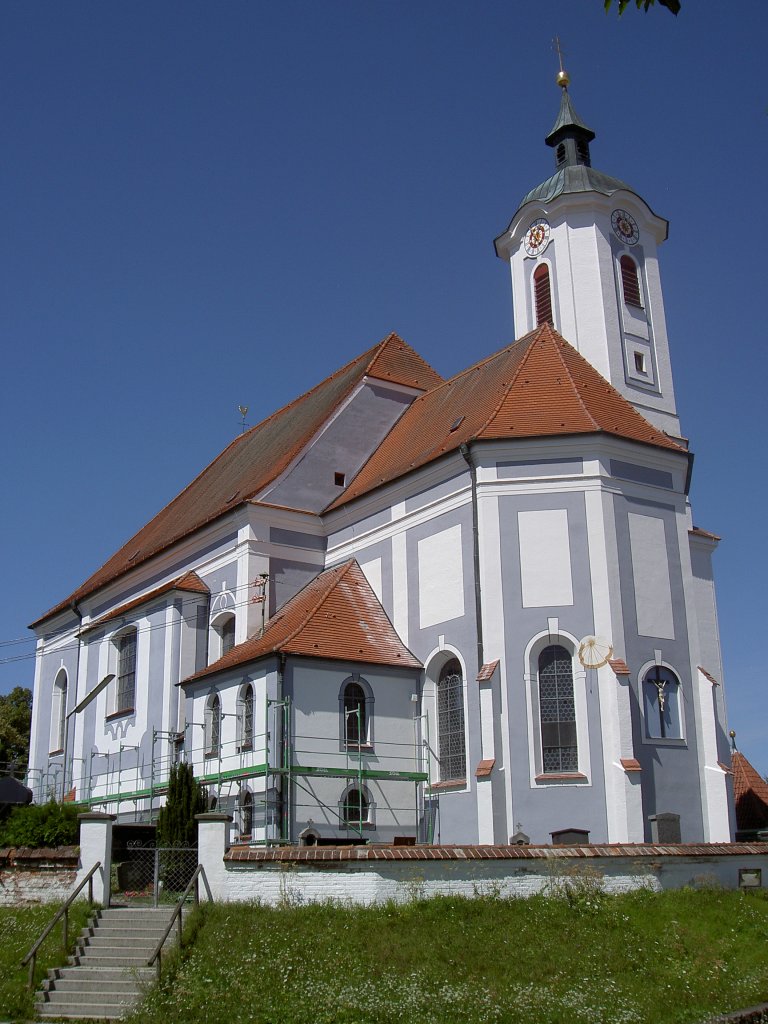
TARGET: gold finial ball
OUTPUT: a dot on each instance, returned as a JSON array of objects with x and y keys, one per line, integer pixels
[
  {"x": 563, "y": 79},
  {"x": 732, "y": 734}
]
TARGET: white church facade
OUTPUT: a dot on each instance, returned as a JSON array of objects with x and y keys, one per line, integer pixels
[{"x": 405, "y": 609}]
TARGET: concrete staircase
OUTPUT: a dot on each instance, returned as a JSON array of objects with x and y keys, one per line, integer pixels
[{"x": 107, "y": 974}]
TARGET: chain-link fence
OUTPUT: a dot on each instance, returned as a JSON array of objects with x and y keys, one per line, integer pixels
[{"x": 151, "y": 875}]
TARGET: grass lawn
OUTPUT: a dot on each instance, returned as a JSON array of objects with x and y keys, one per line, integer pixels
[
  {"x": 639, "y": 958},
  {"x": 19, "y": 928}
]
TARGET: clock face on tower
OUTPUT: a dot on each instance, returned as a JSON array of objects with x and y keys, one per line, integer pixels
[
  {"x": 537, "y": 237},
  {"x": 625, "y": 227}
]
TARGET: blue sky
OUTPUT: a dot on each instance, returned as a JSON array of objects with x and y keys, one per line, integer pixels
[{"x": 206, "y": 204}]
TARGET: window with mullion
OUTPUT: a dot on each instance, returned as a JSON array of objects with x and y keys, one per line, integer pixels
[
  {"x": 450, "y": 722},
  {"x": 126, "y": 671},
  {"x": 557, "y": 711}
]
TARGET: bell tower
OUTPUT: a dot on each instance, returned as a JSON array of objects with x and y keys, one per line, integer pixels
[{"x": 582, "y": 249}]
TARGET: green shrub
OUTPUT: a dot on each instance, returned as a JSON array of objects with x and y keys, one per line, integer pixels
[
  {"x": 176, "y": 825},
  {"x": 38, "y": 825}
]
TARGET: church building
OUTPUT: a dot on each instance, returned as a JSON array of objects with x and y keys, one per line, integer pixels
[{"x": 409, "y": 609}]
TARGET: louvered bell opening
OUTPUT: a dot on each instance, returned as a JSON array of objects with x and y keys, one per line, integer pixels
[
  {"x": 630, "y": 282},
  {"x": 543, "y": 295}
]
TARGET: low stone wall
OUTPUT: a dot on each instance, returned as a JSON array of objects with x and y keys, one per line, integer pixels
[
  {"x": 367, "y": 875},
  {"x": 37, "y": 876}
]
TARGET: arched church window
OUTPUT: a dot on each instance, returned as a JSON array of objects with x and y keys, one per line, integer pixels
[
  {"x": 450, "y": 722},
  {"x": 126, "y": 671},
  {"x": 355, "y": 724},
  {"x": 542, "y": 295},
  {"x": 630, "y": 281},
  {"x": 59, "y": 711},
  {"x": 557, "y": 708},
  {"x": 213, "y": 727},
  {"x": 246, "y": 718},
  {"x": 355, "y": 807},
  {"x": 661, "y": 700},
  {"x": 246, "y": 814}
]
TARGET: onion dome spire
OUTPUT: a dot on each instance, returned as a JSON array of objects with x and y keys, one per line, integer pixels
[{"x": 570, "y": 137}]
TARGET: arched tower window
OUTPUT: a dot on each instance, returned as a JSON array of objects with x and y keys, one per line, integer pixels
[
  {"x": 355, "y": 724},
  {"x": 213, "y": 726},
  {"x": 126, "y": 671},
  {"x": 246, "y": 718},
  {"x": 59, "y": 711},
  {"x": 558, "y": 711},
  {"x": 542, "y": 295},
  {"x": 661, "y": 700},
  {"x": 450, "y": 722},
  {"x": 630, "y": 281}
]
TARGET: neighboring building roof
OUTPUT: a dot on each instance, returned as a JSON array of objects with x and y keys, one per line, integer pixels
[
  {"x": 257, "y": 457},
  {"x": 190, "y": 582},
  {"x": 337, "y": 616},
  {"x": 750, "y": 792},
  {"x": 539, "y": 386}
]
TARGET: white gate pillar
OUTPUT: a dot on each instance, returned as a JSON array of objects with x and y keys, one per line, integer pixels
[{"x": 96, "y": 847}]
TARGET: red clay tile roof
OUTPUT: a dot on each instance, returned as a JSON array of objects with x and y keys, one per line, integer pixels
[
  {"x": 486, "y": 672},
  {"x": 708, "y": 675},
  {"x": 698, "y": 532},
  {"x": 257, "y": 457},
  {"x": 619, "y": 667},
  {"x": 630, "y": 764},
  {"x": 189, "y": 582},
  {"x": 337, "y": 616},
  {"x": 539, "y": 386},
  {"x": 485, "y": 767},
  {"x": 308, "y": 854},
  {"x": 750, "y": 791}
]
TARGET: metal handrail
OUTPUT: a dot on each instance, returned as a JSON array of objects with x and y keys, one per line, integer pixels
[
  {"x": 176, "y": 915},
  {"x": 63, "y": 912}
]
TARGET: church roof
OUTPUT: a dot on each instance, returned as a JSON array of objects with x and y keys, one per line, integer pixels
[
  {"x": 189, "y": 583},
  {"x": 337, "y": 616},
  {"x": 539, "y": 386},
  {"x": 750, "y": 792},
  {"x": 574, "y": 178},
  {"x": 568, "y": 120},
  {"x": 257, "y": 457}
]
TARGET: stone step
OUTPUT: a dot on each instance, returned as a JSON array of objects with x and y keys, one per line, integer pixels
[
  {"x": 121, "y": 960},
  {"x": 128, "y": 942},
  {"x": 95, "y": 1011},
  {"x": 102, "y": 975},
  {"x": 76, "y": 983},
  {"x": 78, "y": 997}
]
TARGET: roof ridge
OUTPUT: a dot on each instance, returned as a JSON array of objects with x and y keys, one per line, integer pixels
[
  {"x": 553, "y": 336},
  {"x": 532, "y": 339},
  {"x": 345, "y": 566}
]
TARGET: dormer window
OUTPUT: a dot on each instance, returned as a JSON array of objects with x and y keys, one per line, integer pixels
[
  {"x": 630, "y": 281},
  {"x": 542, "y": 295}
]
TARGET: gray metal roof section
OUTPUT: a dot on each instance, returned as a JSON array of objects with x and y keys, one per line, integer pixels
[
  {"x": 574, "y": 178},
  {"x": 568, "y": 118}
]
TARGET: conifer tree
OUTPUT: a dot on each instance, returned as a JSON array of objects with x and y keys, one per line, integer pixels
[{"x": 176, "y": 825}]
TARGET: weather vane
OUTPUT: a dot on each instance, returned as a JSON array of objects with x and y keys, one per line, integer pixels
[{"x": 562, "y": 79}]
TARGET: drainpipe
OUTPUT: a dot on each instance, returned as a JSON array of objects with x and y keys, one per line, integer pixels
[
  {"x": 466, "y": 454},
  {"x": 73, "y": 606}
]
